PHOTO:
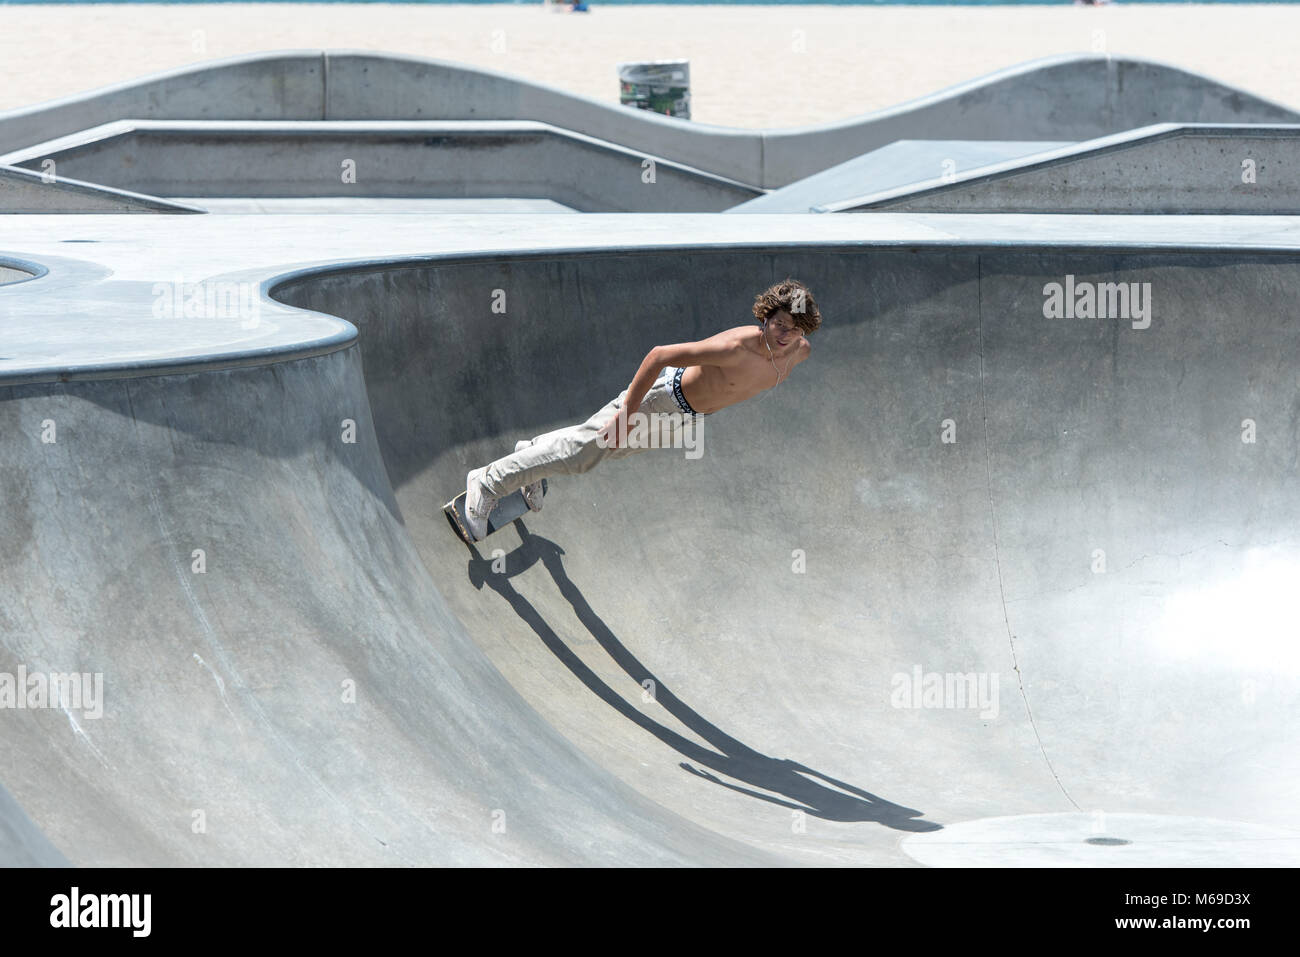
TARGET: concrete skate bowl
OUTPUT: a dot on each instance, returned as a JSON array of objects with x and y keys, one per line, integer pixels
[{"x": 974, "y": 586}]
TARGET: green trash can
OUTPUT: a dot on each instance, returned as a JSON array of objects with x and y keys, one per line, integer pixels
[{"x": 663, "y": 86}]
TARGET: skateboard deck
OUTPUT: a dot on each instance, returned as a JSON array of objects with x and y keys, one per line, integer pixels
[{"x": 507, "y": 510}]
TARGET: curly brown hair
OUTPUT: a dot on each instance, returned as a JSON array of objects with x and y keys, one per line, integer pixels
[{"x": 793, "y": 297}]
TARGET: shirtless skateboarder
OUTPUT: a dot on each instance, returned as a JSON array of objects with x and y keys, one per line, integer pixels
[{"x": 689, "y": 378}]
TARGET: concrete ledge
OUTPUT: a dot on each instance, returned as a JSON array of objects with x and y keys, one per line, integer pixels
[
  {"x": 433, "y": 159},
  {"x": 120, "y": 310}
]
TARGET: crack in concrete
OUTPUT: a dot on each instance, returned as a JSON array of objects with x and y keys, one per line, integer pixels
[{"x": 993, "y": 518}]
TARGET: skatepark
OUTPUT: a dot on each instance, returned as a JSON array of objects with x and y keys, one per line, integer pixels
[{"x": 983, "y": 583}]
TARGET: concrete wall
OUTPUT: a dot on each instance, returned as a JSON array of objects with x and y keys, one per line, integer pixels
[
  {"x": 1071, "y": 97},
  {"x": 453, "y": 159}
]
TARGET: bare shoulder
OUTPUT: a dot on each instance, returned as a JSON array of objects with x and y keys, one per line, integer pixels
[
  {"x": 733, "y": 337},
  {"x": 805, "y": 350},
  {"x": 738, "y": 336},
  {"x": 727, "y": 346},
  {"x": 722, "y": 349}
]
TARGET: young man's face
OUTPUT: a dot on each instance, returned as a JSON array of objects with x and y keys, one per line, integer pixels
[{"x": 780, "y": 326}]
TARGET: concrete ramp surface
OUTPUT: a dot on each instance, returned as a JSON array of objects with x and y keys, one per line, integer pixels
[
  {"x": 1062, "y": 571},
  {"x": 1168, "y": 168},
  {"x": 978, "y": 584},
  {"x": 29, "y": 191},
  {"x": 900, "y": 167}
]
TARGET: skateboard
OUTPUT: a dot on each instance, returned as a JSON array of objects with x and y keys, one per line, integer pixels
[{"x": 507, "y": 510}]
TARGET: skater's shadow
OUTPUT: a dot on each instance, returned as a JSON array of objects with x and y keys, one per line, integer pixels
[{"x": 787, "y": 783}]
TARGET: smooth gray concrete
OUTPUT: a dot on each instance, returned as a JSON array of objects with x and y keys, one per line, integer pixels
[
  {"x": 30, "y": 191},
  {"x": 450, "y": 160},
  {"x": 150, "y": 320},
  {"x": 1163, "y": 169},
  {"x": 676, "y": 661},
  {"x": 893, "y": 167},
  {"x": 1072, "y": 97}
]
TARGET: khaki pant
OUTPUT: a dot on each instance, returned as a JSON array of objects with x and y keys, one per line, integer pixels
[{"x": 574, "y": 450}]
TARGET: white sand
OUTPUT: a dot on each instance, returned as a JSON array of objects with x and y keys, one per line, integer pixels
[{"x": 757, "y": 66}]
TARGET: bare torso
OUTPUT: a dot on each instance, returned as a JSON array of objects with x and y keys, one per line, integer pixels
[{"x": 709, "y": 388}]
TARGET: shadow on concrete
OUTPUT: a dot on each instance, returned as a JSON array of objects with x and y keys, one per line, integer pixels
[{"x": 789, "y": 783}]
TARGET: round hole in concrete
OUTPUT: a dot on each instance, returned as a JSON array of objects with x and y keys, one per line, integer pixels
[
  {"x": 17, "y": 270},
  {"x": 1072, "y": 840}
]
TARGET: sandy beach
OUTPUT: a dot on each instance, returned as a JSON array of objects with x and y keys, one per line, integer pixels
[{"x": 754, "y": 66}]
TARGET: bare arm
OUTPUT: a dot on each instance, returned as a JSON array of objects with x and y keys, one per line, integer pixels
[{"x": 719, "y": 350}]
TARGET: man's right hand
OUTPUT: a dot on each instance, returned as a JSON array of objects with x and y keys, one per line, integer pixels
[{"x": 614, "y": 428}]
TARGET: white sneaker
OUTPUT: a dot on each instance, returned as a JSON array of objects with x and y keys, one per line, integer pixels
[
  {"x": 533, "y": 492},
  {"x": 478, "y": 504}
]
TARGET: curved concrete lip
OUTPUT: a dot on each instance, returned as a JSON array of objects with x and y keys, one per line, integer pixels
[
  {"x": 110, "y": 313},
  {"x": 129, "y": 326},
  {"x": 14, "y": 271}
]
